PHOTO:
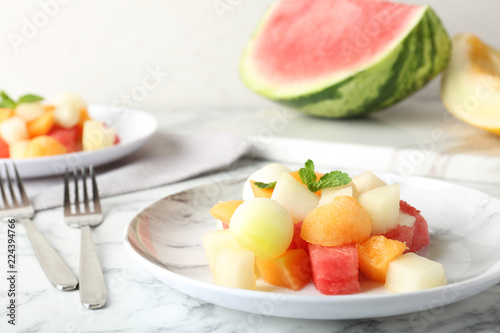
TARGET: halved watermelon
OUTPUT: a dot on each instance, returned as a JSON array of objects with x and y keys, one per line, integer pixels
[{"x": 344, "y": 58}]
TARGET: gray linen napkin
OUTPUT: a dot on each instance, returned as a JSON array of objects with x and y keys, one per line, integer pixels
[{"x": 164, "y": 159}]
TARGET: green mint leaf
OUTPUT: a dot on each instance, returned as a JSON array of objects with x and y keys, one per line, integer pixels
[
  {"x": 307, "y": 175},
  {"x": 331, "y": 179},
  {"x": 29, "y": 98},
  {"x": 6, "y": 101},
  {"x": 265, "y": 186}
]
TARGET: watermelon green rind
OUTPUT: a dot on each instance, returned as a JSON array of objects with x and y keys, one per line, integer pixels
[{"x": 407, "y": 66}]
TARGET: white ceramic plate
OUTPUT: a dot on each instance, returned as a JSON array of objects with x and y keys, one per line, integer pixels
[
  {"x": 133, "y": 127},
  {"x": 465, "y": 233}
]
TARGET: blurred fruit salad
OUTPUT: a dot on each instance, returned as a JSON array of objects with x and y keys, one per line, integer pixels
[{"x": 30, "y": 128}]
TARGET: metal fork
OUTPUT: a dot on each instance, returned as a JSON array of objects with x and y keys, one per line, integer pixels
[
  {"x": 92, "y": 289},
  {"x": 17, "y": 205}
]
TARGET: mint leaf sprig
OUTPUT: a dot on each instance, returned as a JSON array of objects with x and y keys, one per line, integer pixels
[
  {"x": 7, "y": 102},
  {"x": 330, "y": 179},
  {"x": 265, "y": 186}
]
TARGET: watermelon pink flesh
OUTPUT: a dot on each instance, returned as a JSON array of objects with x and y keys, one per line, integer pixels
[
  {"x": 403, "y": 234},
  {"x": 421, "y": 233},
  {"x": 335, "y": 269},
  {"x": 4, "y": 149},
  {"x": 68, "y": 137},
  {"x": 351, "y": 34},
  {"x": 297, "y": 241}
]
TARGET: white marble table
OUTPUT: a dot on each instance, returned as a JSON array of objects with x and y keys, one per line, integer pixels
[{"x": 138, "y": 302}]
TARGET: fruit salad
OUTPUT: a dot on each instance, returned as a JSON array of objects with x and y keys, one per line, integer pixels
[
  {"x": 29, "y": 128},
  {"x": 297, "y": 227}
]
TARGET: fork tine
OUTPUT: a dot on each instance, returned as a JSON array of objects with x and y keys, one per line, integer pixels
[
  {"x": 77, "y": 197},
  {"x": 67, "y": 202},
  {"x": 9, "y": 183},
  {"x": 95, "y": 191},
  {"x": 4, "y": 197},
  {"x": 24, "y": 196},
  {"x": 85, "y": 195}
]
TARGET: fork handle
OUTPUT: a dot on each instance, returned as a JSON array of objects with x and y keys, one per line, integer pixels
[
  {"x": 92, "y": 289},
  {"x": 57, "y": 271}
]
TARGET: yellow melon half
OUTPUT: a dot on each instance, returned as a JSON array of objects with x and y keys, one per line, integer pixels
[{"x": 470, "y": 88}]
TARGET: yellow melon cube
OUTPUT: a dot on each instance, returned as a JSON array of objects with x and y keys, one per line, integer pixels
[
  {"x": 411, "y": 272},
  {"x": 235, "y": 268}
]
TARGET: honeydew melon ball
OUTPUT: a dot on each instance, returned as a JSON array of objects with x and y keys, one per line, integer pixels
[
  {"x": 14, "y": 129},
  {"x": 70, "y": 98},
  {"x": 29, "y": 111},
  {"x": 68, "y": 106},
  {"x": 263, "y": 226},
  {"x": 267, "y": 174}
]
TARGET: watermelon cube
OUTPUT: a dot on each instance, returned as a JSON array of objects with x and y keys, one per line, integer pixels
[
  {"x": 4, "y": 149},
  {"x": 68, "y": 137},
  {"x": 335, "y": 269},
  {"x": 292, "y": 270},
  {"x": 404, "y": 231},
  {"x": 401, "y": 233},
  {"x": 421, "y": 232},
  {"x": 297, "y": 241}
]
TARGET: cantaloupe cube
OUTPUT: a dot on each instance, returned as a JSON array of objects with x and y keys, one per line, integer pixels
[
  {"x": 49, "y": 107},
  {"x": 260, "y": 192},
  {"x": 375, "y": 255},
  {"x": 295, "y": 197},
  {"x": 367, "y": 181},
  {"x": 41, "y": 125},
  {"x": 292, "y": 270},
  {"x": 215, "y": 240},
  {"x": 223, "y": 210},
  {"x": 411, "y": 272},
  {"x": 234, "y": 267},
  {"x": 5, "y": 114},
  {"x": 44, "y": 145},
  {"x": 84, "y": 116},
  {"x": 382, "y": 204},
  {"x": 343, "y": 221}
]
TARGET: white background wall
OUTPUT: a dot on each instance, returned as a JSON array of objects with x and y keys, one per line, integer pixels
[{"x": 106, "y": 49}]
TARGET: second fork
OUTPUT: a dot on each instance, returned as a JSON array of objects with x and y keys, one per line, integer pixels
[{"x": 92, "y": 289}]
